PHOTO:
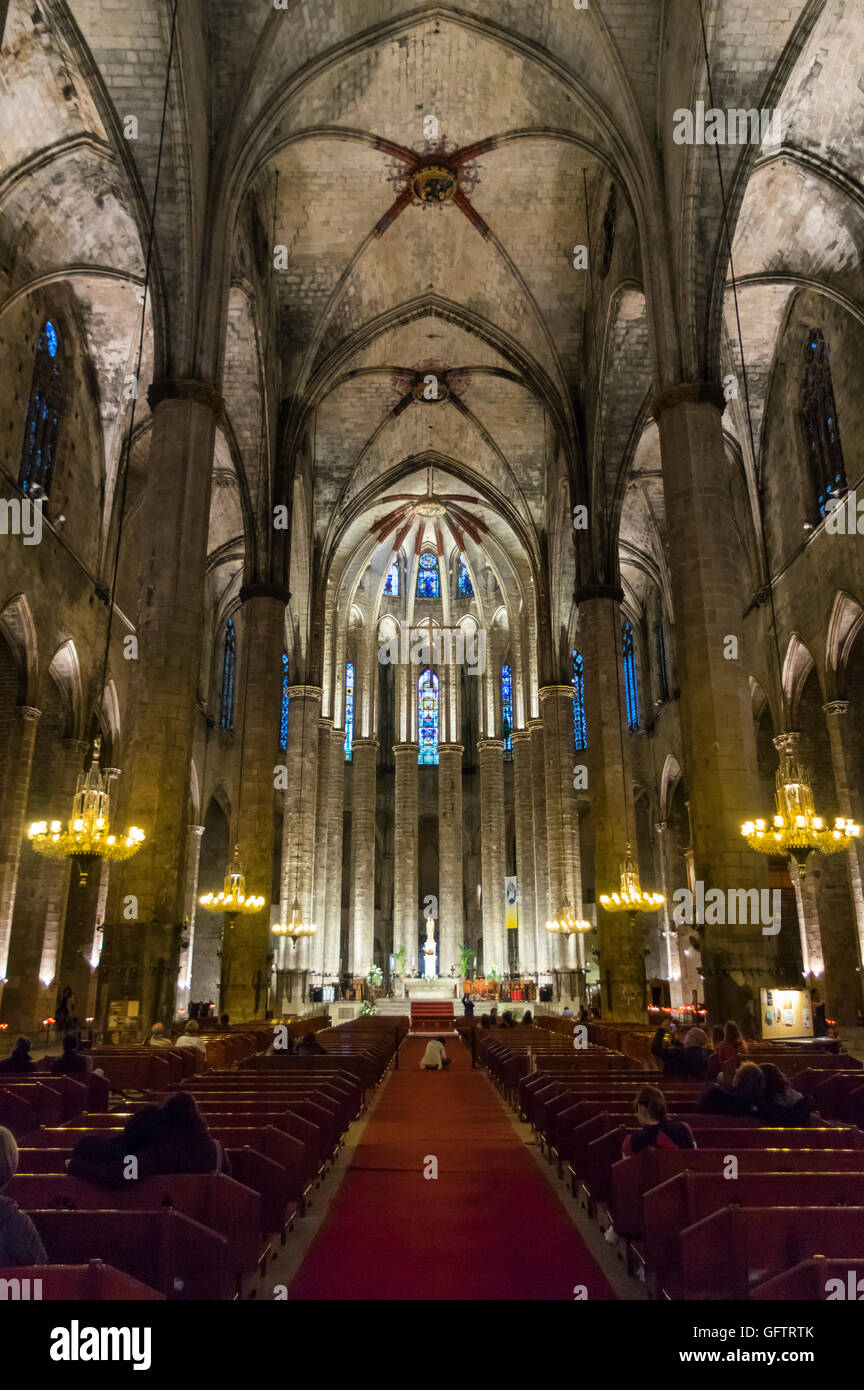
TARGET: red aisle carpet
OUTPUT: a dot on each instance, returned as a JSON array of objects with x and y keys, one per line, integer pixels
[{"x": 487, "y": 1228}]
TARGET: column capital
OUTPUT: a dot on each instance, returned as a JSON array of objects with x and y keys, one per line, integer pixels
[
  {"x": 494, "y": 745},
  {"x": 451, "y": 748},
  {"x": 535, "y": 724},
  {"x": 837, "y": 707},
  {"x": 789, "y": 739},
  {"x": 406, "y": 748},
  {"x": 688, "y": 393},
  {"x": 77, "y": 746},
  {"x": 364, "y": 743},
  {"x": 595, "y": 591},
  {"x": 325, "y": 723},
  {"x": 558, "y": 692},
  {"x": 280, "y": 592},
  {"x": 195, "y": 830},
  {"x": 304, "y": 692},
  {"x": 660, "y": 826},
  {"x": 184, "y": 389},
  {"x": 523, "y": 735},
  {"x": 29, "y": 714}
]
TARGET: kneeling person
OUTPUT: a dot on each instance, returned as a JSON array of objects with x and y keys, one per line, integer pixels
[{"x": 435, "y": 1057}]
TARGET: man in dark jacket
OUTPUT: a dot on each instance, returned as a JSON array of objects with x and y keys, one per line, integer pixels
[
  {"x": 689, "y": 1061},
  {"x": 19, "y": 1059}
]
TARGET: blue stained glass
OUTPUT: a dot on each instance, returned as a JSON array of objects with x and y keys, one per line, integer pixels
[
  {"x": 229, "y": 669},
  {"x": 427, "y": 690},
  {"x": 391, "y": 584},
  {"x": 43, "y": 416},
  {"x": 51, "y": 338},
  {"x": 465, "y": 587},
  {"x": 428, "y": 583},
  {"x": 580, "y": 726},
  {"x": 630, "y": 686},
  {"x": 507, "y": 706},
  {"x": 349, "y": 710},
  {"x": 283, "y": 719}
]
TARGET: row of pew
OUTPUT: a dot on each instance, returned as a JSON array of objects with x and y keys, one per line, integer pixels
[
  {"x": 755, "y": 1211},
  {"x": 282, "y": 1120}
]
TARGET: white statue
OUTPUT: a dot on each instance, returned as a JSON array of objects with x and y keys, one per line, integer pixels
[{"x": 429, "y": 950}]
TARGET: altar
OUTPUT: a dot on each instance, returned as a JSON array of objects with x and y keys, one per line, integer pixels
[{"x": 416, "y": 987}]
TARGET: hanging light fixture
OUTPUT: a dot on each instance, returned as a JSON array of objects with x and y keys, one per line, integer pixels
[
  {"x": 295, "y": 927},
  {"x": 233, "y": 900},
  {"x": 565, "y": 923},
  {"x": 631, "y": 899},
  {"x": 87, "y": 837},
  {"x": 796, "y": 829}
]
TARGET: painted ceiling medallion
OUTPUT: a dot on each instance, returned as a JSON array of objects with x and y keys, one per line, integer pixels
[{"x": 433, "y": 183}]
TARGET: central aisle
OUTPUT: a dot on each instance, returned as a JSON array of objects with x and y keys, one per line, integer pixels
[{"x": 488, "y": 1227}]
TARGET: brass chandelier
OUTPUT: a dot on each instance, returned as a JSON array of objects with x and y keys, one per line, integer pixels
[
  {"x": 295, "y": 927},
  {"x": 565, "y": 923},
  {"x": 796, "y": 829},
  {"x": 631, "y": 898},
  {"x": 233, "y": 899},
  {"x": 87, "y": 837}
]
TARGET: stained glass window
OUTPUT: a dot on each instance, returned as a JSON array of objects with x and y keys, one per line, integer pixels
[
  {"x": 391, "y": 583},
  {"x": 630, "y": 686},
  {"x": 43, "y": 416},
  {"x": 819, "y": 419},
  {"x": 229, "y": 670},
  {"x": 283, "y": 720},
  {"x": 428, "y": 583},
  {"x": 427, "y": 690},
  {"x": 465, "y": 587},
  {"x": 507, "y": 706},
  {"x": 349, "y": 710},
  {"x": 580, "y": 727},
  {"x": 661, "y": 662}
]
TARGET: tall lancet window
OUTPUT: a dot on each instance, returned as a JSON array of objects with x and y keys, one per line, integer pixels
[
  {"x": 283, "y": 717},
  {"x": 43, "y": 415},
  {"x": 662, "y": 662},
  {"x": 229, "y": 672},
  {"x": 580, "y": 727},
  {"x": 507, "y": 707},
  {"x": 819, "y": 419},
  {"x": 631, "y": 687},
  {"x": 464, "y": 586},
  {"x": 391, "y": 583},
  {"x": 428, "y": 582},
  {"x": 427, "y": 691},
  {"x": 349, "y": 710}
]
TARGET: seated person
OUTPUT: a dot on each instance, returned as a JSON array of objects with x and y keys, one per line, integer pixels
[
  {"x": 526, "y": 1018},
  {"x": 157, "y": 1037},
  {"x": 486, "y": 1021},
  {"x": 172, "y": 1138},
  {"x": 72, "y": 1061},
  {"x": 310, "y": 1047},
  {"x": 728, "y": 1054},
  {"x": 435, "y": 1057},
  {"x": 224, "y": 1020},
  {"x": 657, "y": 1129},
  {"x": 19, "y": 1059},
  {"x": 781, "y": 1104},
  {"x": 507, "y": 1020},
  {"x": 742, "y": 1097},
  {"x": 687, "y": 1060},
  {"x": 20, "y": 1242},
  {"x": 189, "y": 1037}
]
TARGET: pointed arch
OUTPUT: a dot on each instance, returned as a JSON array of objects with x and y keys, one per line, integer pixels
[{"x": 844, "y": 625}]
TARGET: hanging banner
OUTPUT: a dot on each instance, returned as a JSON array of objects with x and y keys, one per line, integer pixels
[{"x": 511, "y": 894}]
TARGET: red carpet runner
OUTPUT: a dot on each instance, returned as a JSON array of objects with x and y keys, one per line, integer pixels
[{"x": 487, "y": 1228}]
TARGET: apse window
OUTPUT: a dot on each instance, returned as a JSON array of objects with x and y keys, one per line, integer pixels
[
  {"x": 580, "y": 727},
  {"x": 507, "y": 707},
  {"x": 391, "y": 583},
  {"x": 428, "y": 580},
  {"x": 464, "y": 586},
  {"x": 44, "y": 413},
  {"x": 349, "y": 710},
  {"x": 630, "y": 685},
  {"x": 819, "y": 422},
  {"x": 427, "y": 692},
  {"x": 283, "y": 717},
  {"x": 229, "y": 671}
]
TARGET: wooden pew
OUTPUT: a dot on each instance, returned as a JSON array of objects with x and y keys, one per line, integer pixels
[
  {"x": 815, "y": 1280},
  {"x": 730, "y": 1252},
  {"x": 94, "y": 1282}
]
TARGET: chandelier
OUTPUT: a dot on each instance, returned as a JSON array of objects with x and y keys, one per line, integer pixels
[
  {"x": 566, "y": 923},
  {"x": 631, "y": 898},
  {"x": 232, "y": 900},
  {"x": 88, "y": 835},
  {"x": 796, "y": 829},
  {"x": 295, "y": 927}
]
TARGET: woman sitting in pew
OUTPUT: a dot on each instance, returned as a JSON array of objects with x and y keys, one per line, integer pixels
[
  {"x": 20, "y": 1242},
  {"x": 743, "y": 1097},
  {"x": 728, "y": 1054},
  {"x": 781, "y": 1104},
  {"x": 172, "y": 1138},
  {"x": 657, "y": 1129},
  {"x": 310, "y": 1047},
  {"x": 19, "y": 1059}
]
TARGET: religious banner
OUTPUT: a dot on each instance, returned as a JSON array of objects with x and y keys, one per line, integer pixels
[{"x": 511, "y": 894}]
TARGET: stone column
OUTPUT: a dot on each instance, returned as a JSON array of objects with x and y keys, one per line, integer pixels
[
  {"x": 489, "y": 757},
  {"x": 849, "y": 803},
  {"x": 451, "y": 925},
  {"x": 298, "y": 827},
  {"x": 173, "y": 526},
  {"x": 363, "y": 853},
  {"x": 40, "y": 912},
  {"x": 335, "y": 812},
  {"x": 523, "y": 796},
  {"x": 406, "y": 887},
  {"x": 246, "y": 946},
  {"x": 542, "y": 908},
  {"x": 322, "y": 835},
  {"x": 620, "y": 937},
  {"x": 13, "y": 828},
  {"x": 717, "y": 732},
  {"x": 562, "y": 822},
  {"x": 674, "y": 960},
  {"x": 187, "y": 953}
]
